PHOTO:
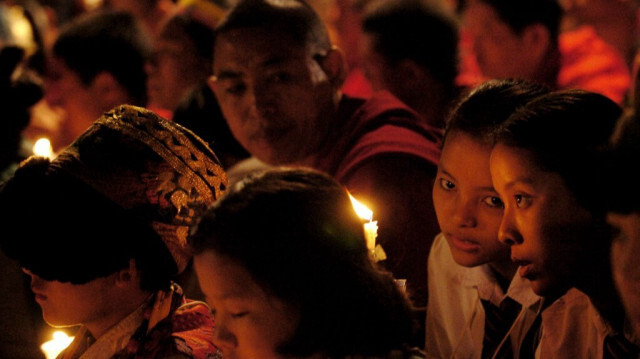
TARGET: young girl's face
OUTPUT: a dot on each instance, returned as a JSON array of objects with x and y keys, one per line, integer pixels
[
  {"x": 249, "y": 322},
  {"x": 625, "y": 250},
  {"x": 542, "y": 221},
  {"x": 468, "y": 208}
]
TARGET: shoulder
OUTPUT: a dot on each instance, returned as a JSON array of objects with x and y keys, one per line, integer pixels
[{"x": 192, "y": 331}]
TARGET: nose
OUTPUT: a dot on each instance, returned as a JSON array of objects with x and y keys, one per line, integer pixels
[
  {"x": 36, "y": 281},
  {"x": 464, "y": 214},
  {"x": 223, "y": 338},
  {"x": 508, "y": 233}
]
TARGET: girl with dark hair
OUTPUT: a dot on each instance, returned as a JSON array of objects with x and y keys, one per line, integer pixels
[
  {"x": 283, "y": 262},
  {"x": 545, "y": 166},
  {"x": 474, "y": 298}
]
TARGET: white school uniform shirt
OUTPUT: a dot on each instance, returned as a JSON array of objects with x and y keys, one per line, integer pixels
[
  {"x": 573, "y": 328},
  {"x": 455, "y": 315}
]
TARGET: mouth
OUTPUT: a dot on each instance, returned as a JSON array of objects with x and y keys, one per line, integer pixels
[
  {"x": 525, "y": 268},
  {"x": 463, "y": 244}
]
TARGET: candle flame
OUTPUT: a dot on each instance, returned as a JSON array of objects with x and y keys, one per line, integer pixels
[
  {"x": 43, "y": 148},
  {"x": 53, "y": 347},
  {"x": 361, "y": 210}
]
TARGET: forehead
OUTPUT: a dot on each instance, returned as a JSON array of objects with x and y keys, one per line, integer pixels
[
  {"x": 250, "y": 46},
  {"x": 223, "y": 278}
]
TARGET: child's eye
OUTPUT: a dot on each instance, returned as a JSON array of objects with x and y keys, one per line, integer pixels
[
  {"x": 493, "y": 201},
  {"x": 239, "y": 314},
  {"x": 522, "y": 201},
  {"x": 447, "y": 185}
]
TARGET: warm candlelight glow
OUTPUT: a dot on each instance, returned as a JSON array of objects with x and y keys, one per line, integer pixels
[
  {"x": 53, "y": 347},
  {"x": 43, "y": 148},
  {"x": 361, "y": 210}
]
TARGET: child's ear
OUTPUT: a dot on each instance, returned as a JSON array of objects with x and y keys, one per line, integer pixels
[
  {"x": 334, "y": 65},
  {"x": 127, "y": 276}
]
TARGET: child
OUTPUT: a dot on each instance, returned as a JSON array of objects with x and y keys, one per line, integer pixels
[
  {"x": 283, "y": 262},
  {"x": 470, "y": 272},
  {"x": 545, "y": 168}
]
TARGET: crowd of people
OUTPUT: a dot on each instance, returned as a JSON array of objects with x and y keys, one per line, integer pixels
[{"x": 198, "y": 200}]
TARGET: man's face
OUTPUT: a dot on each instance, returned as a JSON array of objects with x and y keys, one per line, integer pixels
[
  {"x": 65, "y": 89},
  {"x": 547, "y": 229},
  {"x": 175, "y": 70},
  {"x": 277, "y": 99},
  {"x": 500, "y": 52}
]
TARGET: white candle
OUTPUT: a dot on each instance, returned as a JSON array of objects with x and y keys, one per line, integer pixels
[{"x": 371, "y": 227}]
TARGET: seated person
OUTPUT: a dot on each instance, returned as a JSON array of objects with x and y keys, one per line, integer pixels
[
  {"x": 522, "y": 39},
  {"x": 283, "y": 262},
  {"x": 97, "y": 62},
  {"x": 103, "y": 233},
  {"x": 624, "y": 215},
  {"x": 399, "y": 46},
  {"x": 181, "y": 63},
  {"x": 475, "y": 295},
  {"x": 545, "y": 167},
  {"x": 277, "y": 79}
]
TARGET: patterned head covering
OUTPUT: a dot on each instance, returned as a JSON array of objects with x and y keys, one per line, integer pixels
[{"x": 131, "y": 178}]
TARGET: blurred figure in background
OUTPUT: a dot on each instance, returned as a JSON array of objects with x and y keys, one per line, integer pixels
[
  {"x": 20, "y": 89},
  {"x": 150, "y": 13},
  {"x": 523, "y": 39},
  {"x": 409, "y": 48},
  {"x": 96, "y": 63},
  {"x": 345, "y": 17},
  {"x": 181, "y": 61}
]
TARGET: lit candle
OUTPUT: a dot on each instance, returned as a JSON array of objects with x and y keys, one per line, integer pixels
[
  {"x": 53, "y": 347},
  {"x": 43, "y": 148},
  {"x": 371, "y": 227}
]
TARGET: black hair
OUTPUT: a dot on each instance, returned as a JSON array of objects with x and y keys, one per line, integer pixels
[
  {"x": 293, "y": 18},
  {"x": 522, "y": 13},
  {"x": 296, "y": 233},
  {"x": 199, "y": 35},
  {"x": 490, "y": 104},
  {"x": 415, "y": 30},
  {"x": 107, "y": 41},
  {"x": 69, "y": 232},
  {"x": 623, "y": 186},
  {"x": 565, "y": 131}
]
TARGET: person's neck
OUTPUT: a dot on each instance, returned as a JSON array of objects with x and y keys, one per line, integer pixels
[
  {"x": 116, "y": 310},
  {"x": 504, "y": 272},
  {"x": 335, "y": 117}
]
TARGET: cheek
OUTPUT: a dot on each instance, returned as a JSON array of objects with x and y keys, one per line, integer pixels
[{"x": 441, "y": 205}]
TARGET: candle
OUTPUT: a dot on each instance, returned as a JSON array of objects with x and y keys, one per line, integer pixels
[
  {"x": 371, "y": 227},
  {"x": 53, "y": 347}
]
